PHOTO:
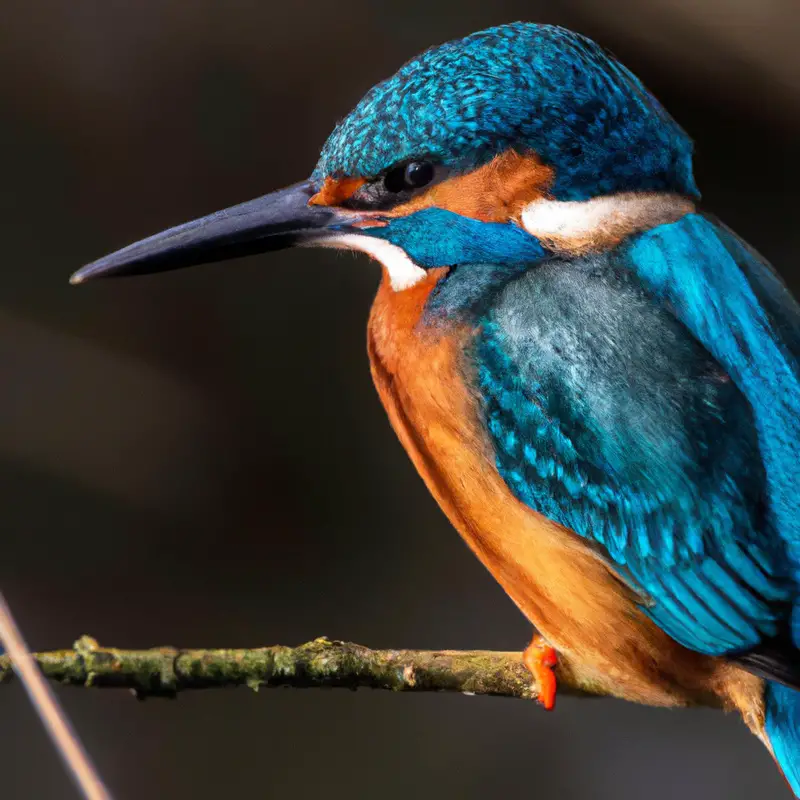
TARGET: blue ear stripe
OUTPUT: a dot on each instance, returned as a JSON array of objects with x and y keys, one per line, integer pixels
[{"x": 434, "y": 237}]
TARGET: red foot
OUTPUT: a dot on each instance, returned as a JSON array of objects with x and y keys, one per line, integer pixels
[{"x": 540, "y": 659}]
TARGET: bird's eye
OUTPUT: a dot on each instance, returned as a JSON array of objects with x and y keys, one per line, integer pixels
[
  {"x": 413, "y": 175},
  {"x": 395, "y": 186}
]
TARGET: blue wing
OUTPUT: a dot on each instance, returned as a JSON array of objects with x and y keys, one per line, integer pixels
[
  {"x": 736, "y": 306},
  {"x": 647, "y": 399}
]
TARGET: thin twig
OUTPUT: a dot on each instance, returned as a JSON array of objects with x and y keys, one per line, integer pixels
[
  {"x": 55, "y": 722},
  {"x": 165, "y": 671}
]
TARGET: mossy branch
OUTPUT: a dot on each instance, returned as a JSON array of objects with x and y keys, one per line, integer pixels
[{"x": 165, "y": 671}]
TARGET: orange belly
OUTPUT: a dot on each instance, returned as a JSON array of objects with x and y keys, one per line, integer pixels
[{"x": 561, "y": 585}]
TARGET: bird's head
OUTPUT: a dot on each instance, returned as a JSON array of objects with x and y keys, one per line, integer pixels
[{"x": 475, "y": 151}]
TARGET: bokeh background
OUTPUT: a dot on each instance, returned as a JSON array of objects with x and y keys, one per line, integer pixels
[{"x": 199, "y": 459}]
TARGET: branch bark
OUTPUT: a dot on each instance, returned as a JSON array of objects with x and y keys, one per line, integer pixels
[{"x": 165, "y": 671}]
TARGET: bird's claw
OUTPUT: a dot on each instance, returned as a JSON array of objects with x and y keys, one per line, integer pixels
[{"x": 540, "y": 658}]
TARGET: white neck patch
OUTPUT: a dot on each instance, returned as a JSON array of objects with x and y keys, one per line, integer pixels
[
  {"x": 598, "y": 224},
  {"x": 403, "y": 272}
]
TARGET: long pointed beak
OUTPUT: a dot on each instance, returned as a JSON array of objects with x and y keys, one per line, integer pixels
[{"x": 272, "y": 222}]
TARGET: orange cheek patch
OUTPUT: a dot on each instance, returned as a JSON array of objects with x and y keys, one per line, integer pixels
[
  {"x": 496, "y": 192},
  {"x": 336, "y": 190}
]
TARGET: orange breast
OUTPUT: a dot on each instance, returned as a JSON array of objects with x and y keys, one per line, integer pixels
[{"x": 558, "y": 582}]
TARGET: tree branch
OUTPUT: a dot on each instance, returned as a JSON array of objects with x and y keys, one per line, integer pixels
[{"x": 165, "y": 671}]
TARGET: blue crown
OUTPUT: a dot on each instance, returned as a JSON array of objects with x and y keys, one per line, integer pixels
[{"x": 526, "y": 87}]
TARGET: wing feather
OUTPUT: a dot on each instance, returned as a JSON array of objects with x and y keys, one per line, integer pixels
[{"x": 645, "y": 400}]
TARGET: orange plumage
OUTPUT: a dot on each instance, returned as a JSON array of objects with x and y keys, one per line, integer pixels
[{"x": 496, "y": 192}]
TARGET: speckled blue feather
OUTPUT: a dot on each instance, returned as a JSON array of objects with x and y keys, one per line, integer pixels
[{"x": 528, "y": 87}]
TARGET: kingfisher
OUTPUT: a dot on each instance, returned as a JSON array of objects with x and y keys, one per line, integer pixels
[{"x": 598, "y": 382}]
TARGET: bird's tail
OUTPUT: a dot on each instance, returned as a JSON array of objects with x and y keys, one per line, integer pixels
[{"x": 783, "y": 730}]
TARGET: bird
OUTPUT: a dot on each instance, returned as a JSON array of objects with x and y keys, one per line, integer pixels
[{"x": 597, "y": 380}]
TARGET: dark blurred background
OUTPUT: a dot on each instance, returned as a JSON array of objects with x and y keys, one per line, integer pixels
[{"x": 199, "y": 459}]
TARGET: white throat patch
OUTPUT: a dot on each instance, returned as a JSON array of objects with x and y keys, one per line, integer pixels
[
  {"x": 403, "y": 272},
  {"x": 601, "y": 223}
]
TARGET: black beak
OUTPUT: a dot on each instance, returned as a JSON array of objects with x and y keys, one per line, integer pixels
[{"x": 272, "y": 222}]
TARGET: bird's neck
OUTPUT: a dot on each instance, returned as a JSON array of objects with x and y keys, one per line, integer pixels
[
  {"x": 485, "y": 256},
  {"x": 397, "y": 319}
]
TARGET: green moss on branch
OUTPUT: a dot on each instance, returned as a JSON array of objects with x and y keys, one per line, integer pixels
[{"x": 165, "y": 671}]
